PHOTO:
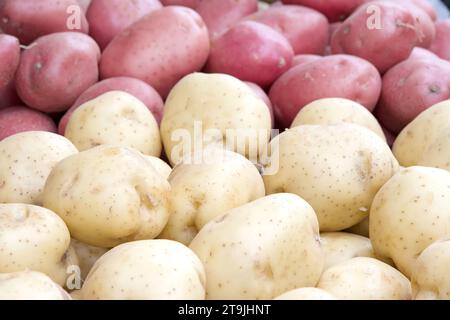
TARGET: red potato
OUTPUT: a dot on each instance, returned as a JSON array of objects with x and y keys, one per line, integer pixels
[
  {"x": 186, "y": 3},
  {"x": 410, "y": 88},
  {"x": 425, "y": 5},
  {"x": 264, "y": 97},
  {"x": 304, "y": 58},
  {"x": 308, "y": 37},
  {"x": 251, "y": 51},
  {"x": 441, "y": 43},
  {"x": 9, "y": 58},
  {"x": 8, "y": 96},
  {"x": 107, "y": 18},
  {"x": 221, "y": 15},
  {"x": 20, "y": 119},
  {"x": 135, "y": 87},
  {"x": 385, "y": 44},
  {"x": 160, "y": 49},
  {"x": 84, "y": 4},
  {"x": 337, "y": 76},
  {"x": 31, "y": 19},
  {"x": 56, "y": 69},
  {"x": 333, "y": 27},
  {"x": 421, "y": 53}
]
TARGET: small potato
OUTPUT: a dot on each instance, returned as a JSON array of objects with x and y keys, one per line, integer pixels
[
  {"x": 146, "y": 270},
  {"x": 304, "y": 58},
  {"x": 306, "y": 294},
  {"x": 337, "y": 110},
  {"x": 34, "y": 238},
  {"x": 87, "y": 255},
  {"x": 365, "y": 278},
  {"x": 26, "y": 160},
  {"x": 108, "y": 195},
  {"x": 30, "y": 285},
  {"x": 206, "y": 186},
  {"x": 410, "y": 212},
  {"x": 9, "y": 58},
  {"x": 118, "y": 118},
  {"x": 160, "y": 166},
  {"x": 261, "y": 249},
  {"x": 441, "y": 43},
  {"x": 338, "y": 169}
]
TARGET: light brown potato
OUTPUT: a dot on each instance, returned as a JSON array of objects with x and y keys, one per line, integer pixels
[
  {"x": 306, "y": 294},
  {"x": 438, "y": 153},
  {"x": 87, "y": 255},
  {"x": 160, "y": 166}
]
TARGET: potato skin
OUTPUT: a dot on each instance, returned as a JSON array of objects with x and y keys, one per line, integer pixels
[
  {"x": 304, "y": 58},
  {"x": 9, "y": 58},
  {"x": 157, "y": 50},
  {"x": 438, "y": 153},
  {"x": 8, "y": 96},
  {"x": 441, "y": 44},
  {"x": 263, "y": 96},
  {"x": 187, "y": 3},
  {"x": 56, "y": 70}
]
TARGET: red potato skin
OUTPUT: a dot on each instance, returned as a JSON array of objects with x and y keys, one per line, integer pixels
[
  {"x": 271, "y": 54},
  {"x": 421, "y": 53},
  {"x": 304, "y": 58},
  {"x": 221, "y": 15},
  {"x": 31, "y": 19},
  {"x": 336, "y": 76},
  {"x": 9, "y": 58},
  {"x": 135, "y": 87},
  {"x": 264, "y": 97},
  {"x": 84, "y": 4},
  {"x": 383, "y": 47},
  {"x": 157, "y": 50},
  {"x": 308, "y": 37},
  {"x": 107, "y": 18},
  {"x": 8, "y": 96},
  {"x": 56, "y": 69},
  {"x": 20, "y": 119},
  {"x": 186, "y": 3},
  {"x": 425, "y": 5},
  {"x": 441, "y": 43}
]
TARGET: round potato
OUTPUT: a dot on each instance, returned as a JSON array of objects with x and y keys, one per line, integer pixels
[
  {"x": 438, "y": 153},
  {"x": 118, "y": 118},
  {"x": 87, "y": 255},
  {"x": 146, "y": 270},
  {"x": 441, "y": 44},
  {"x": 206, "y": 186},
  {"x": 108, "y": 195},
  {"x": 338, "y": 169},
  {"x": 160, "y": 166},
  {"x": 408, "y": 213},
  {"x": 261, "y": 249},
  {"x": 9, "y": 58},
  {"x": 306, "y": 294},
  {"x": 260, "y": 93},
  {"x": 421, "y": 53},
  {"x": 365, "y": 278},
  {"x": 26, "y": 160}
]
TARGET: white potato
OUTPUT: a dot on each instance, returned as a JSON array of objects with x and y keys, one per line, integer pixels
[
  {"x": 306, "y": 294},
  {"x": 365, "y": 278},
  {"x": 438, "y": 153},
  {"x": 108, "y": 195},
  {"x": 87, "y": 255},
  {"x": 146, "y": 270},
  {"x": 261, "y": 249},
  {"x": 118, "y": 118},
  {"x": 160, "y": 166},
  {"x": 207, "y": 185},
  {"x": 26, "y": 160},
  {"x": 361, "y": 228},
  {"x": 336, "y": 168}
]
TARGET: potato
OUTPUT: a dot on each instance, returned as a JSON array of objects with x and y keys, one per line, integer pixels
[
  {"x": 30, "y": 285},
  {"x": 206, "y": 186},
  {"x": 118, "y": 118},
  {"x": 260, "y": 93},
  {"x": 306, "y": 294},
  {"x": 160, "y": 49},
  {"x": 425, "y": 5},
  {"x": 285, "y": 19},
  {"x": 304, "y": 58},
  {"x": 429, "y": 278},
  {"x": 365, "y": 278},
  {"x": 338, "y": 169},
  {"x": 361, "y": 229},
  {"x": 34, "y": 238},
  {"x": 148, "y": 269},
  {"x": 9, "y": 58},
  {"x": 20, "y": 119},
  {"x": 397, "y": 25},
  {"x": 56, "y": 69},
  {"x": 421, "y": 53},
  {"x": 337, "y": 110},
  {"x": 84, "y": 4},
  {"x": 221, "y": 15},
  {"x": 222, "y": 108},
  {"x": 107, "y": 18},
  {"x": 31, "y": 19},
  {"x": 271, "y": 53},
  {"x": 319, "y": 79},
  {"x": 135, "y": 87},
  {"x": 108, "y": 195},
  {"x": 408, "y": 213},
  {"x": 261, "y": 249},
  {"x": 441, "y": 43},
  {"x": 87, "y": 255},
  {"x": 438, "y": 153},
  {"x": 8, "y": 96},
  {"x": 26, "y": 160},
  {"x": 187, "y": 3},
  {"x": 160, "y": 166}
]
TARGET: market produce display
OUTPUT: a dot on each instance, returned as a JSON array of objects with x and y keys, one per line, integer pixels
[{"x": 224, "y": 150}]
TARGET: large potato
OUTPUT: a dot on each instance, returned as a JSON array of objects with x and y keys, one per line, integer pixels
[
  {"x": 87, "y": 255},
  {"x": 148, "y": 269},
  {"x": 118, "y": 118},
  {"x": 365, "y": 278},
  {"x": 306, "y": 294},
  {"x": 108, "y": 195},
  {"x": 261, "y": 249},
  {"x": 408, "y": 213},
  {"x": 323, "y": 78},
  {"x": 441, "y": 43},
  {"x": 214, "y": 109},
  {"x": 9, "y": 58},
  {"x": 26, "y": 160},
  {"x": 338, "y": 169},
  {"x": 56, "y": 69},
  {"x": 206, "y": 186},
  {"x": 34, "y": 238},
  {"x": 160, "y": 48}
]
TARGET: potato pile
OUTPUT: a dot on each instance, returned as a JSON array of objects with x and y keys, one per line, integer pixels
[{"x": 224, "y": 149}]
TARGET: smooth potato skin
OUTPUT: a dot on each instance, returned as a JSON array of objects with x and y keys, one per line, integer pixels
[
  {"x": 421, "y": 53},
  {"x": 187, "y": 3},
  {"x": 441, "y": 44},
  {"x": 304, "y": 58},
  {"x": 9, "y": 58},
  {"x": 264, "y": 97},
  {"x": 56, "y": 70},
  {"x": 306, "y": 83},
  {"x": 157, "y": 50},
  {"x": 8, "y": 96},
  {"x": 31, "y": 19},
  {"x": 422, "y": 4}
]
